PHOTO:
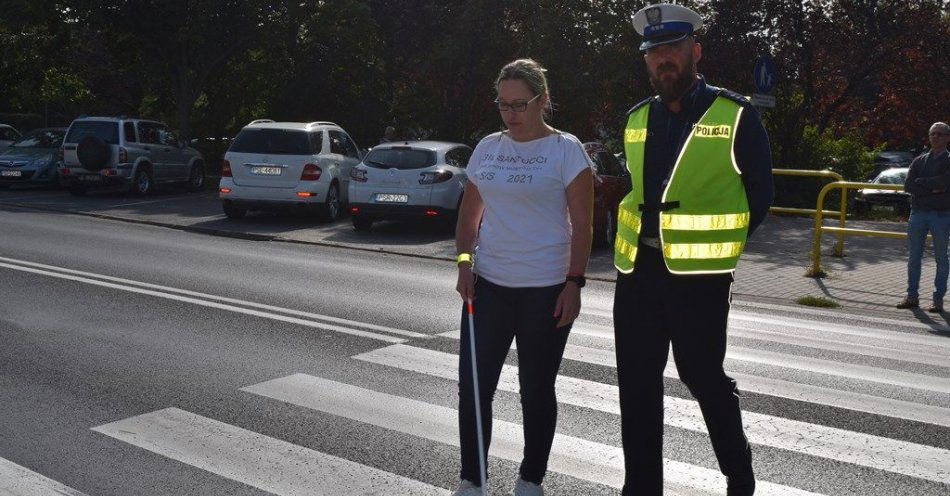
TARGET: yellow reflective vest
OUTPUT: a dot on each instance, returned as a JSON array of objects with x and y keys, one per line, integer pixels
[{"x": 704, "y": 218}]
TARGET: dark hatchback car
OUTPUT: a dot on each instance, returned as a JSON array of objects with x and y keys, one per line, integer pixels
[
  {"x": 611, "y": 184},
  {"x": 866, "y": 198},
  {"x": 32, "y": 159}
]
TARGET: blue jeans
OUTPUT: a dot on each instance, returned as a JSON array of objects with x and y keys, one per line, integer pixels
[{"x": 937, "y": 223}]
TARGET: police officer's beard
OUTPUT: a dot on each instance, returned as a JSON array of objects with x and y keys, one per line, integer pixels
[{"x": 672, "y": 90}]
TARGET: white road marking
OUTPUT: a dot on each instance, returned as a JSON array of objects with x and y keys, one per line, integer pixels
[
  {"x": 16, "y": 480},
  {"x": 224, "y": 299},
  {"x": 839, "y": 398},
  {"x": 259, "y": 461},
  {"x": 211, "y": 304},
  {"x": 809, "y": 364},
  {"x": 576, "y": 457},
  {"x": 876, "y": 452},
  {"x": 846, "y": 344},
  {"x": 603, "y": 307}
]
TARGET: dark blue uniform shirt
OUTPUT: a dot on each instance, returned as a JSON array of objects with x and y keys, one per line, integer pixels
[{"x": 666, "y": 133}]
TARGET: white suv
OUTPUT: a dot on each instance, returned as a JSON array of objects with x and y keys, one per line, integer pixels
[{"x": 285, "y": 164}]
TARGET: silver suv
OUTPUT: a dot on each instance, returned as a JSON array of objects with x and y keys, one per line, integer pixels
[{"x": 134, "y": 153}]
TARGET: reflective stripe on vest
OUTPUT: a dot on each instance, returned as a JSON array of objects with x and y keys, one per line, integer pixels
[
  {"x": 702, "y": 250},
  {"x": 706, "y": 233},
  {"x": 683, "y": 222}
]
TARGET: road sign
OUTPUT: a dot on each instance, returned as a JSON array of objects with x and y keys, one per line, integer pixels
[
  {"x": 760, "y": 100},
  {"x": 764, "y": 74}
]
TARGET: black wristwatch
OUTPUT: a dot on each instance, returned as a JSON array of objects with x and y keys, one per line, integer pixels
[{"x": 581, "y": 281}]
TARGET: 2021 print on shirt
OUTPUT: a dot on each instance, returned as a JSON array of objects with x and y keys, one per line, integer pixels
[{"x": 512, "y": 168}]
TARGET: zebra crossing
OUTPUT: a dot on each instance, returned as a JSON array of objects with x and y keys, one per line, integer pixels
[{"x": 870, "y": 369}]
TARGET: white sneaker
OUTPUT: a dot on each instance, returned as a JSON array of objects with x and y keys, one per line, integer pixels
[
  {"x": 468, "y": 488},
  {"x": 525, "y": 488}
]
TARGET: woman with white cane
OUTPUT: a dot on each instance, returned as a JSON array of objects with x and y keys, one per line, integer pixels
[{"x": 523, "y": 238}]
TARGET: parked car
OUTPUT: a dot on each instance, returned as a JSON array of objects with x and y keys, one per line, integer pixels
[
  {"x": 8, "y": 134},
  {"x": 611, "y": 184},
  {"x": 890, "y": 160},
  {"x": 136, "y": 154},
  {"x": 32, "y": 159},
  {"x": 288, "y": 164},
  {"x": 409, "y": 180},
  {"x": 898, "y": 200}
]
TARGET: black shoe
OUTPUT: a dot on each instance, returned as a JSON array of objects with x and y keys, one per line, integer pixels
[
  {"x": 908, "y": 303},
  {"x": 741, "y": 486}
]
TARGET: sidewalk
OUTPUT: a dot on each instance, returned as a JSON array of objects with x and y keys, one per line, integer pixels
[{"x": 871, "y": 276}]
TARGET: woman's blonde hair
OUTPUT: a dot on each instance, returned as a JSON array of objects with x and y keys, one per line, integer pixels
[{"x": 532, "y": 73}]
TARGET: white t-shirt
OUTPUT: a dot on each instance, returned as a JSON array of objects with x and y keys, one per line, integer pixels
[{"x": 525, "y": 235}]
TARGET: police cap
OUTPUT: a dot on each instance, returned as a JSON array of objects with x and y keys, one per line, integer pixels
[{"x": 664, "y": 23}]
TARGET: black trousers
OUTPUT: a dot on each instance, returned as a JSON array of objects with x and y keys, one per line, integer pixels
[
  {"x": 652, "y": 309},
  {"x": 527, "y": 316}
]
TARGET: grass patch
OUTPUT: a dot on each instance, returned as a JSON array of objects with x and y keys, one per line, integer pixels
[
  {"x": 817, "y": 301},
  {"x": 821, "y": 273}
]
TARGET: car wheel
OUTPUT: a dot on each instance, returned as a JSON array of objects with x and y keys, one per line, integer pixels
[
  {"x": 604, "y": 235},
  {"x": 77, "y": 190},
  {"x": 362, "y": 223},
  {"x": 330, "y": 210},
  {"x": 233, "y": 212},
  {"x": 141, "y": 182},
  {"x": 196, "y": 179}
]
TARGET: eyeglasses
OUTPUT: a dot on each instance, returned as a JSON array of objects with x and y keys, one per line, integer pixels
[
  {"x": 940, "y": 134},
  {"x": 514, "y": 106}
]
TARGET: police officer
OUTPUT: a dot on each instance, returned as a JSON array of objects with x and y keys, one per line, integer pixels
[{"x": 700, "y": 166}]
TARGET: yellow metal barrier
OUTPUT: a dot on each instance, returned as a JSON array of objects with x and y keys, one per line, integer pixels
[
  {"x": 819, "y": 209},
  {"x": 844, "y": 186}
]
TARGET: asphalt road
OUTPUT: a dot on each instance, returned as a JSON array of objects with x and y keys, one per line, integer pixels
[{"x": 143, "y": 360}]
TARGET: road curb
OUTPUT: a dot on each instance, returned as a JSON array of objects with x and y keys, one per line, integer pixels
[{"x": 168, "y": 225}]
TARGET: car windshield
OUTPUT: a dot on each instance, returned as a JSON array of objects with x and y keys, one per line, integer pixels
[
  {"x": 892, "y": 177},
  {"x": 46, "y": 138},
  {"x": 400, "y": 157},
  {"x": 272, "y": 141},
  {"x": 106, "y": 131}
]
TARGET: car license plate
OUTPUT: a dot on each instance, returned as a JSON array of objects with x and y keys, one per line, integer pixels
[
  {"x": 388, "y": 198},
  {"x": 92, "y": 178},
  {"x": 266, "y": 171},
  {"x": 9, "y": 173}
]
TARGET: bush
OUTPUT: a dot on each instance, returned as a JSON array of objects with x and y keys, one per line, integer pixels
[{"x": 846, "y": 155}]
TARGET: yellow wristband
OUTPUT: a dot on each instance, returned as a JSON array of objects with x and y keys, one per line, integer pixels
[{"x": 463, "y": 257}]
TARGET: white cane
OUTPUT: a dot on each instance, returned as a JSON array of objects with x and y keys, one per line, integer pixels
[{"x": 478, "y": 403}]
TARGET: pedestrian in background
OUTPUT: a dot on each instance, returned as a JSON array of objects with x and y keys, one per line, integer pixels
[
  {"x": 928, "y": 182},
  {"x": 523, "y": 239},
  {"x": 388, "y": 135},
  {"x": 700, "y": 167}
]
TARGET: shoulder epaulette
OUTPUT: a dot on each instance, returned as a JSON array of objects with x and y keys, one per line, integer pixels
[
  {"x": 732, "y": 95},
  {"x": 644, "y": 102}
]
